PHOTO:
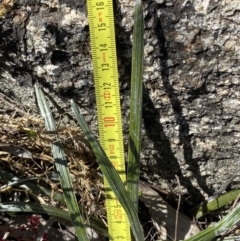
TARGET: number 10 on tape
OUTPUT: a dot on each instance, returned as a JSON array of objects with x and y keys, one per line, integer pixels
[{"x": 103, "y": 49}]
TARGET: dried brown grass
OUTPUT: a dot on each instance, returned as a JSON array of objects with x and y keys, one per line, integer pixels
[{"x": 25, "y": 150}]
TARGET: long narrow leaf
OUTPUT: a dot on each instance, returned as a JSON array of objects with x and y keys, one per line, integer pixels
[
  {"x": 111, "y": 175},
  {"x": 224, "y": 225},
  {"x": 215, "y": 204},
  {"x": 35, "y": 189},
  {"x": 135, "y": 106},
  {"x": 62, "y": 168},
  {"x": 45, "y": 110},
  {"x": 16, "y": 207}
]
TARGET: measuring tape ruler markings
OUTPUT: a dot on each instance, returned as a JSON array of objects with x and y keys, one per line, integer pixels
[{"x": 101, "y": 22}]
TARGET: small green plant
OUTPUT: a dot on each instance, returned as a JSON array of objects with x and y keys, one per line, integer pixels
[
  {"x": 31, "y": 134},
  {"x": 128, "y": 199}
]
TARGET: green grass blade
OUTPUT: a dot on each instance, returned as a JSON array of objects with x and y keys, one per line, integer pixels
[
  {"x": 224, "y": 225},
  {"x": 215, "y": 204},
  {"x": 35, "y": 189},
  {"x": 45, "y": 110},
  {"x": 16, "y": 207},
  {"x": 111, "y": 175},
  {"x": 62, "y": 168},
  {"x": 231, "y": 238},
  {"x": 134, "y": 148}
]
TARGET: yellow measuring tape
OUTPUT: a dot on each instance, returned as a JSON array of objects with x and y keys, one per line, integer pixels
[{"x": 103, "y": 48}]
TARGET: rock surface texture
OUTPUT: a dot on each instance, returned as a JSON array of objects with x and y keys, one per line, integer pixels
[{"x": 191, "y": 117}]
